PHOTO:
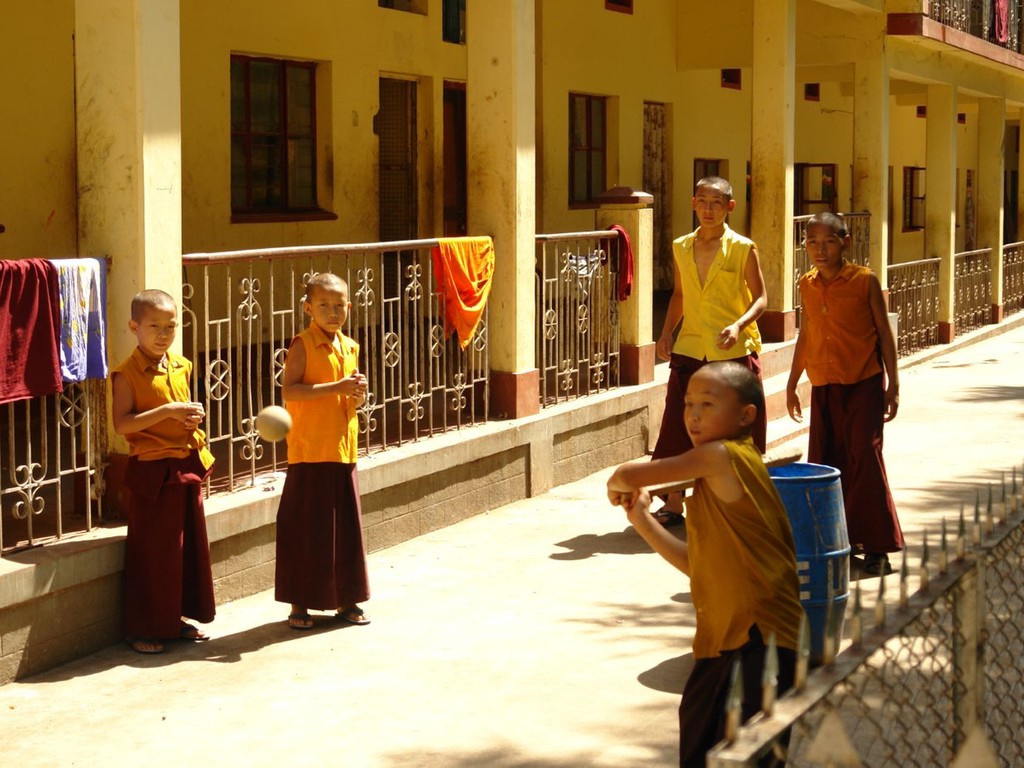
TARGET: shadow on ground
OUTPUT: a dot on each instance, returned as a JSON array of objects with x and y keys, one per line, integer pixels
[
  {"x": 223, "y": 649},
  {"x": 624, "y": 542}
]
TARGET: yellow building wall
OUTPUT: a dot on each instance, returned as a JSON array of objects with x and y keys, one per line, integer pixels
[
  {"x": 824, "y": 134},
  {"x": 906, "y": 149},
  {"x": 38, "y": 189},
  {"x": 355, "y": 44},
  {"x": 629, "y": 58}
]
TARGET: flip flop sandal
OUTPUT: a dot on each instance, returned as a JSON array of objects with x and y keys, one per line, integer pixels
[
  {"x": 354, "y": 615},
  {"x": 300, "y": 621},
  {"x": 189, "y": 632},
  {"x": 144, "y": 645}
]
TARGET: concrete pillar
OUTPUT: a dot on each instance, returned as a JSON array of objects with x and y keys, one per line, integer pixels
[
  {"x": 128, "y": 112},
  {"x": 501, "y": 155},
  {"x": 771, "y": 154},
  {"x": 633, "y": 210},
  {"x": 940, "y": 197},
  {"x": 989, "y": 202},
  {"x": 128, "y": 119},
  {"x": 871, "y": 148}
]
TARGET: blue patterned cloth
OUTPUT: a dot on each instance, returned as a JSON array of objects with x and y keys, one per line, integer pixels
[{"x": 83, "y": 302}]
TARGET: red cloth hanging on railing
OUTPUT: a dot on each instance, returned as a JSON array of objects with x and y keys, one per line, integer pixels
[
  {"x": 29, "y": 330},
  {"x": 463, "y": 268},
  {"x": 1002, "y": 21},
  {"x": 625, "y": 285}
]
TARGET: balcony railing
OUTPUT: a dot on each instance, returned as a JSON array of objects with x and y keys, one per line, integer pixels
[
  {"x": 980, "y": 19},
  {"x": 972, "y": 275},
  {"x": 1013, "y": 278},
  {"x": 859, "y": 225},
  {"x": 914, "y": 296},
  {"x": 242, "y": 309},
  {"x": 52, "y": 451},
  {"x": 577, "y": 337}
]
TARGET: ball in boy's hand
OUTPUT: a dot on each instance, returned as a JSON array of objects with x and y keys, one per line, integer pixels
[{"x": 273, "y": 423}]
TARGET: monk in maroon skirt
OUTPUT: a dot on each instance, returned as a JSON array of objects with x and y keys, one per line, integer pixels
[
  {"x": 320, "y": 557},
  {"x": 167, "y": 572}
]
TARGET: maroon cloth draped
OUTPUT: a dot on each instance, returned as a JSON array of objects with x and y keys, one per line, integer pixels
[
  {"x": 1002, "y": 20},
  {"x": 29, "y": 330},
  {"x": 167, "y": 571},
  {"x": 846, "y": 433},
  {"x": 321, "y": 560},
  {"x": 625, "y": 285}
]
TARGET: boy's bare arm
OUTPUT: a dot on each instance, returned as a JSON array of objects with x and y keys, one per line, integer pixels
[
  {"x": 709, "y": 461},
  {"x": 887, "y": 346},
  {"x": 797, "y": 369},
  {"x": 126, "y": 421},
  {"x": 673, "y": 317},
  {"x": 638, "y": 512},
  {"x": 293, "y": 389},
  {"x": 754, "y": 279}
]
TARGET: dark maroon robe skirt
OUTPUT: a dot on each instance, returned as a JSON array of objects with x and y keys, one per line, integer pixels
[
  {"x": 672, "y": 437},
  {"x": 321, "y": 560},
  {"x": 167, "y": 572},
  {"x": 846, "y": 433}
]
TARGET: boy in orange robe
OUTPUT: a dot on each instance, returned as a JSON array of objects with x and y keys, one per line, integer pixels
[
  {"x": 847, "y": 348},
  {"x": 167, "y": 573},
  {"x": 321, "y": 560}
]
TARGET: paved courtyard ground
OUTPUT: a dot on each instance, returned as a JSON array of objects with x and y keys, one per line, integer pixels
[{"x": 539, "y": 634}]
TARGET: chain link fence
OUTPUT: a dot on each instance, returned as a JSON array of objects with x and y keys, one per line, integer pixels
[{"x": 933, "y": 680}]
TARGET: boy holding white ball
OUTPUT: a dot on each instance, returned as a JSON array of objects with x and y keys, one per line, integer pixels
[
  {"x": 167, "y": 574},
  {"x": 321, "y": 560}
]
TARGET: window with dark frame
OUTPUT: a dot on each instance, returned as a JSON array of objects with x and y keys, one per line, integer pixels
[
  {"x": 273, "y": 136},
  {"x": 587, "y": 142},
  {"x": 400, "y": 5},
  {"x": 453, "y": 21},
  {"x": 732, "y": 78},
  {"x": 814, "y": 188},
  {"x": 622, "y": 6},
  {"x": 913, "y": 198}
]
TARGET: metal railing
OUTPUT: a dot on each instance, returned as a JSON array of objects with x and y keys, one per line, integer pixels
[
  {"x": 934, "y": 681},
  {"x": 972, "y": 277},
  {"x": 577, "y": 337},
  {"x": 1013, "y": 278},
  {"x": 859, "y": 225},
  {"x": 242, "y": 309},
  {"x": 979, "y": 19},
  {"x": 52, "y": 450},
  {"x": 914, "y": 296}
]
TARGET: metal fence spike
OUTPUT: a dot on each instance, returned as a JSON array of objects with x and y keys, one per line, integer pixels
[
  {"x": 961, "y": 539},
  {"x": 944, "y": 550},
  {"x": 803, "y": 654},
  {"x": 904, "y": 582},
  {"x": 857, "y": 619},
  {"x": 989, "y": 513},
  {"x": 734, "y": 704},
  {"x": 770, "y": 676},
  {"x": 880, "y": 603},
  {"x": 924, "y": 563}
]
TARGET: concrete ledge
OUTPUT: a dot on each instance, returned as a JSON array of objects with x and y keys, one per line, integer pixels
[{"x": 63, "y": 600}]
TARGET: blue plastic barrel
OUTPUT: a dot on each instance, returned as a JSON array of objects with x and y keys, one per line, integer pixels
[{"x": 813, "y": 497}]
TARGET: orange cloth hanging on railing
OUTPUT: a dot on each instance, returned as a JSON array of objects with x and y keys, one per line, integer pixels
[
  {"x": 29, "y": 330},
  {"x": 463, "y": 268}
]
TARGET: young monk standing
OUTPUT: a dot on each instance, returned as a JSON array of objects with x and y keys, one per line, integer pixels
[
  {"x": 847, "y": 348},
  {"x": 321, "y": 560},
  {"x": 719, "y": 293}
]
